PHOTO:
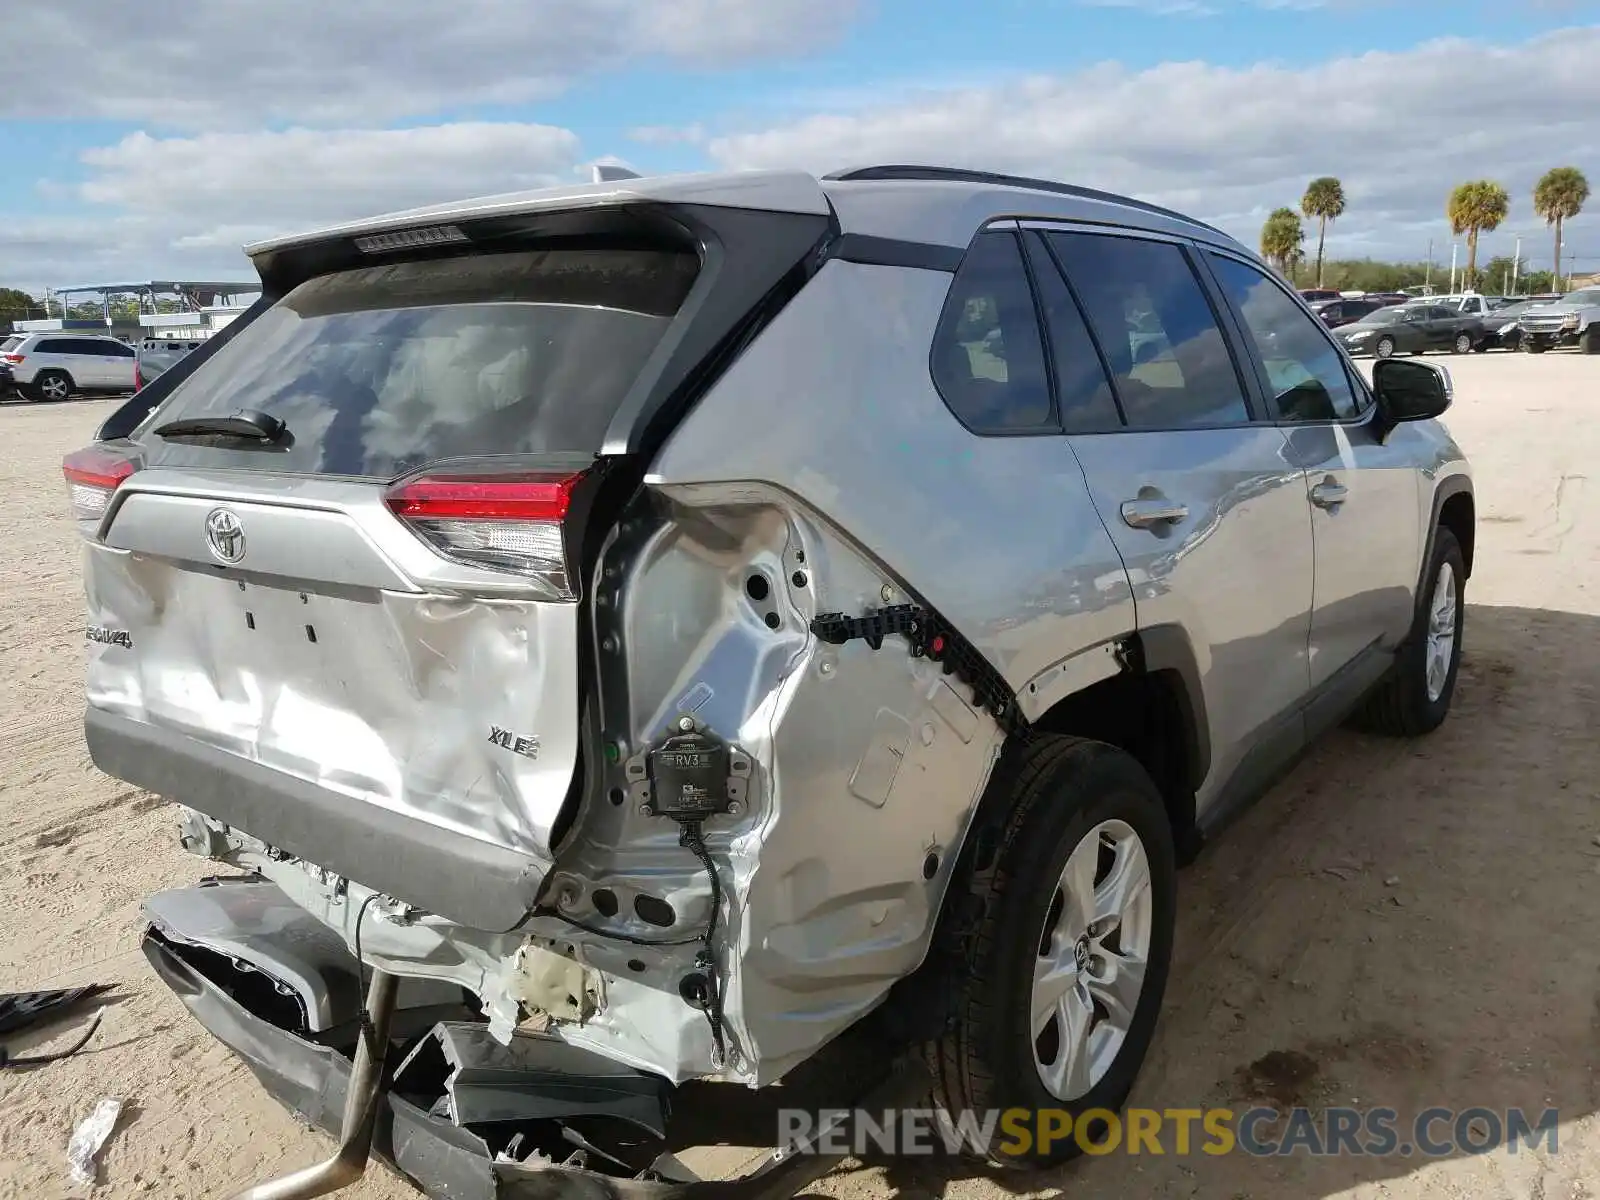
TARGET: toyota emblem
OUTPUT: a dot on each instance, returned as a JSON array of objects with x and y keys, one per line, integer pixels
[{"x": 225, "y": 535}]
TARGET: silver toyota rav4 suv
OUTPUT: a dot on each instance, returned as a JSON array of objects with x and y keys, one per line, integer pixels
[{"x": 645, "y": 632}]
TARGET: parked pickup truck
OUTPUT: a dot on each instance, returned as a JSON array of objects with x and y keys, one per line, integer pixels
[{"x": 1573, "y": 320}]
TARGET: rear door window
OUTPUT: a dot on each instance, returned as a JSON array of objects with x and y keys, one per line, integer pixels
[
  {"x": 987, "y": 356},
  {"x": 1083, "y": 392},
  {"x": 53, "y": 346},
  {"x": 379, "y": 370},
  {"x": 1168, "y": 357}
]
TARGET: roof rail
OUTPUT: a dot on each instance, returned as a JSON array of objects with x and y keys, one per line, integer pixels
[{"x": 999, "y": 179}]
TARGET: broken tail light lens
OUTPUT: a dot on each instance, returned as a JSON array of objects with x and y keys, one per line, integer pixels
[
  {"x": 513, "y": 522},
  {"x": 93, "y": 475}
]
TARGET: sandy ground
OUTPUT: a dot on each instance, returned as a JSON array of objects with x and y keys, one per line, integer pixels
[{"x": 1408, "y": 924}]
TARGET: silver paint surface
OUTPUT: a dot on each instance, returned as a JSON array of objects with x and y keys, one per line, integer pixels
[
  {"x": 393, "y": 702},
  {"x": 773, "y": 191},
  {"x": 998, "y": 534},
  {"x": 1247, "y": 521}
]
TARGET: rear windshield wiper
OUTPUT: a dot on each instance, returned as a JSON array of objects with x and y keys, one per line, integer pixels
[{"x": 247, "y": 423}]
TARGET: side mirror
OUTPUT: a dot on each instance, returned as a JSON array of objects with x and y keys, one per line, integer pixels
[{"x": 1407, "y": 389}]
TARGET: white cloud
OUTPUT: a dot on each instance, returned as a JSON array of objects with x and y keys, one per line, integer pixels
[
  {"x": 244, "y": 63},
  {"x": 300, "y": 175},
  {"x": 185, "y": 205},
  {"x": 1229, "y": 144}
]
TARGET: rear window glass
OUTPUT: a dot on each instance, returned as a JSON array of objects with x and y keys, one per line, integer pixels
[
  {"x": 380, "y": 370},
  {"x": 11, "y": 343}
]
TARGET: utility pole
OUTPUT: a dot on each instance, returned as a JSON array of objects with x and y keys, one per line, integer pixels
[
  {"x": 1516, "y": 266},
  {"x": 1454, "y": 246},
  {"x": 1427, "y": 275}
]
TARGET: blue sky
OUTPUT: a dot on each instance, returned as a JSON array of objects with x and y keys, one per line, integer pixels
[{"x": 167, "y": 144}]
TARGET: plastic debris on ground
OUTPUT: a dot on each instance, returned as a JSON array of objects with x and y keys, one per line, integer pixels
[{"x": 89, "y": 1137}]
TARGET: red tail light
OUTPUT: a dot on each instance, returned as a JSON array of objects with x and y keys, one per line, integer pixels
[
  {"x": 93, "y": 475},
  {"x": 508, "y": 522},
  {"x": 14, "y": 358},
  {"x": 138, "y": 375}
]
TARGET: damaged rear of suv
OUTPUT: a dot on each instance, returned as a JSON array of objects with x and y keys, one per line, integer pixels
[{"x": 657, "y": 629}]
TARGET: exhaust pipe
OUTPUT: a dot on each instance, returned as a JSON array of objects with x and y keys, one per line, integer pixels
[{"x": 349, "y": 1161}]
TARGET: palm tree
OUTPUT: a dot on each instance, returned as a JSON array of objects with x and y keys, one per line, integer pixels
[
  {"x": 1324, "y": 200},
  {"x": 1475, "y": 207},
  {"x": 1559, "y": 197},
  {"x": 1281, "y": 239}
]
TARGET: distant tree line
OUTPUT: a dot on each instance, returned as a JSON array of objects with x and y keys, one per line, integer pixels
[
  {"x": 1473, "y": 208},
  {"x": 17, "y": 305}
]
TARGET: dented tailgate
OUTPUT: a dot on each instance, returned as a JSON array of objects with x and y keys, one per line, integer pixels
[{"x": 385, "y": 706}]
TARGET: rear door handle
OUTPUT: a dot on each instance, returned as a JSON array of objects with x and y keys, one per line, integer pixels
[
  {"x": 1329, "y": 493},
  {"x": 1145, "y": 514}
]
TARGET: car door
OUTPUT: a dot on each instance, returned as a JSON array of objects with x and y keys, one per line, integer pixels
[
  {"x": 1442, "y": 326},
  {"x": 1206, "y": 509},
  {"x": 1364, "y": 488},
  {"x": 119, "y": 365},
  {"x": 89, "y": 363},
  {"x": 52, "y": 354}
]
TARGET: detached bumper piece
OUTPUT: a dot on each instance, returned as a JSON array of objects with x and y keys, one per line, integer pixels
[{"x": 456, "y": 1112}]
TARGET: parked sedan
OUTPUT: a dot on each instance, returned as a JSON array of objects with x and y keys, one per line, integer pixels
[
  {"x": 1337, "y": 313},
  {"x": 1500, "y": 330},
  {"x": 1411, "y": 329}
]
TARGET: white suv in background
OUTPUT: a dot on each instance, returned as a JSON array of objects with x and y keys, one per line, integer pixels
[{"x": 53, "y": 366}]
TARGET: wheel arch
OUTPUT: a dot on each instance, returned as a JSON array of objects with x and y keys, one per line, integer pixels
[
  {"x": 1455, "y": 509},
  {"x": 1154, "y": 709}
]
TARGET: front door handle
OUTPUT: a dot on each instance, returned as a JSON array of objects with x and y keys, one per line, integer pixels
[
  {"x": 1329, "y": 493},
  {"x": 1145, "y": 514}
]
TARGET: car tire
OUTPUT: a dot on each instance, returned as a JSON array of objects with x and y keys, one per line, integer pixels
[
  {"x": 1383, "y": 348},
  {"x": 52, "y": 385},
  {"x": 1414, "y": 698},
  {"x": 1533, "y": 347},
  {"x": 1589, "y": 341},
  {"x": 1462, "y": 344},
  {"x": 1063, "y": 801}
]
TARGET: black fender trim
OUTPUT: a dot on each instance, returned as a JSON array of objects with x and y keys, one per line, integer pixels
[
  {"x": 1167, "y": 648},
  {"x": 1452, "y": 485}
]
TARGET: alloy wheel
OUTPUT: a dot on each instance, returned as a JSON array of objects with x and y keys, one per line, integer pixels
[
  {"x": 1441, "y": 632},
  {"x": 1093, "y": 955}
]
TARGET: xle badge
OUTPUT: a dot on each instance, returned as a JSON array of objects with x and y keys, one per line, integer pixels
[{"x": 528, "y": 747}]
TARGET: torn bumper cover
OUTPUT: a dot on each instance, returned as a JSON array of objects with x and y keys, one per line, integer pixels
[{"x": 457, "y": 1088}]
